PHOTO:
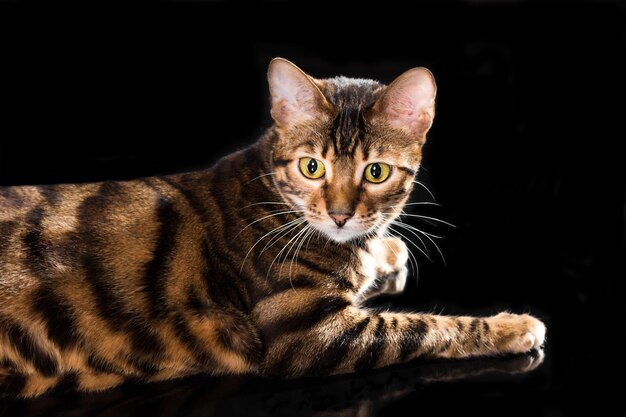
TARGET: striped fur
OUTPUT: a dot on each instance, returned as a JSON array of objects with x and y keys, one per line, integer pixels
[{"x": 164, "y": 277}]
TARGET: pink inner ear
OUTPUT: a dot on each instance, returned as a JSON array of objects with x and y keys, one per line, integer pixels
[
  {"x": 279, "y": 110},
  {"x": 408, "y": 103},
  {"x": 295, "y": 98},
  {"x": 306, "y": 100},
  {"x": 402, "y": 112},
  {"x": 400, "y": 105}
]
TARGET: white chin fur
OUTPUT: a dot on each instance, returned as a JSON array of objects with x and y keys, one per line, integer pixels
[{"x": 340, "y": 234}]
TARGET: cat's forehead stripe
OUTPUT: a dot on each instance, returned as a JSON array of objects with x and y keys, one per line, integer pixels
[{"x": 350, "y": 97}]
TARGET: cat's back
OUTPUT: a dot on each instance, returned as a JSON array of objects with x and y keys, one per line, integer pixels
[
  {"x": 66, "y": 234},
  {"x": 33, "y": 215}
]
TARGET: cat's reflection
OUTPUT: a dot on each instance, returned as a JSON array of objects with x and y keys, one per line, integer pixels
[{"x": 348, "y": 395}]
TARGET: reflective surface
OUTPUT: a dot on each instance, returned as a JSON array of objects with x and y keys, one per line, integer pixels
[{"x": 420, "y": 385}]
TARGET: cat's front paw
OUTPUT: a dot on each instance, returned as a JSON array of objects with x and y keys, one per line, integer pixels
[
  {"x": 517, "y": 333},
  {"x": 391, "y": 255}
]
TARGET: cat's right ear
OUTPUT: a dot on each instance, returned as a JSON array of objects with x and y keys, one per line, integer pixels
[
  {"x": 295, "y": 96},
  {"x": 408, "y": 103}
]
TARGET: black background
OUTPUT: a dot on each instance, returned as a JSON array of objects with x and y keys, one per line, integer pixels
[{"x": 525, "y": 156}]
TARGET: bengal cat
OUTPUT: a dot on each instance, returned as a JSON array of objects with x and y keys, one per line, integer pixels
[{"x": 257, "y": 265}]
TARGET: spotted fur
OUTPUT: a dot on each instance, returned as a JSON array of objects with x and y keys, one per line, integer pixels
[{"x": 164, "y": 277}]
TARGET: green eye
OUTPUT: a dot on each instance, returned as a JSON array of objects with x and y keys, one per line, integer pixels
[
  {"x": 377, "y": 172},
  {"x": 312, "y": 168}
]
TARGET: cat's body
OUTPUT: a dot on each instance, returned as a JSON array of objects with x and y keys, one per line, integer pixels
[{"x": 218, "y": 272}]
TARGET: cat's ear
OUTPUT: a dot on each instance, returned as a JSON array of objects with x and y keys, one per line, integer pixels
[
  {"x": 408, "y": 103},
  {"x": 295, "y": 96}
]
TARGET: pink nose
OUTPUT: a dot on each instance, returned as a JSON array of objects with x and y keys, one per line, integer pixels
[{"x": 340, "y": 218}]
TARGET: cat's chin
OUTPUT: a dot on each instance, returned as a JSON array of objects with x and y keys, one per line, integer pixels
[{"x": 341, "y": 235}]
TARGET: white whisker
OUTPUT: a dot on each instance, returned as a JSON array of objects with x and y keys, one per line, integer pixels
[
  {"x": 276, "y": 230},
  {"x": 436, "y": 247},
  {"x": 426, "y": 188},
  {"x": 420, "y": 203},
  {"x": 418, "y": 230},
  {"x": 412, "y": 260},
  {"x": 308, "y": 229},
  {"x": 281, "y": 234},
  {"x": 403, "y": 226},
  {"x": 427, "y": 236},
  {"x": 274, "y": 260},
  {"x": 261, "y": 176},
  {"x": 280, "y": 252},
  {"x": 411, "y": 242},
  {"x": 280, "y": 210},
  {"x": 419, "y": 216},
  {"x": 388, "y": 246},
  {"x": 316, "y": 233},
  {"x": 266, "y": 202},
  {"x": 295, "y": 242},
  {"x": 266, "y": 217}
]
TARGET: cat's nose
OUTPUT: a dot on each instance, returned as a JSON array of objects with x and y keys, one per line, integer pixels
[{"x": 340, "y": 218}]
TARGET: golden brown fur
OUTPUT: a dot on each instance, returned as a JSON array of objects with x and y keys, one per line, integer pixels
[{"x": 160, "y": 278}]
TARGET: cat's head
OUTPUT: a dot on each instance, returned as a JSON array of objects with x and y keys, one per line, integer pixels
[{"x": 348, "y": 149}]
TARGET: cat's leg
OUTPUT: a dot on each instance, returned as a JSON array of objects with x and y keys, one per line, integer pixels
[
  {"x": 309, "y": 332},
  {"x": 384, "y": 267}
]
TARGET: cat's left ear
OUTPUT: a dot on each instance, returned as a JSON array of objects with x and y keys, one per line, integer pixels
[{"x": 408, "y": 103}]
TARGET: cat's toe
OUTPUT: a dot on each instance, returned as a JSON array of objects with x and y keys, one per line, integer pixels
[
  {"x": 527, "y": 342},
  {"x": 538, "y": 331},
  {"x": 536, "y": 359}
]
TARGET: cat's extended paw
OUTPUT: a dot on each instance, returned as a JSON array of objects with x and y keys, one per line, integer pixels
[
  {"x": 517, "y": 333},
  {"x": 391, "y": 255}
]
